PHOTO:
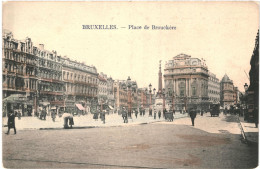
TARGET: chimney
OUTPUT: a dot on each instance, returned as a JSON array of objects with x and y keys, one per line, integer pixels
[{"x": 41, "y": 46}]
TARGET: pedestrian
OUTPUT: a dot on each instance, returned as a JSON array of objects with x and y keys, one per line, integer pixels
[
  {"x": 136, "y": 113},
  {"x": 201, "y": 113},
  {"x": 150, "y": 112},
  {"x": 53, "y": 115},
  {"x": 164, "y": 111},
  {"x": 11, "y": 122},
  {"x": 143, "y": 112},
  {"x": 159, "y": 114},
  {"x": 154, "y": 114},
  {"x": 124, "y": 115},
  {"x": 103, "y": 116},
  {"x": 193, "y": 114}
]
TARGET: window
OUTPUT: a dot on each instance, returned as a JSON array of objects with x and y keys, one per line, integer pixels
[{"x": 193, "y": 91}]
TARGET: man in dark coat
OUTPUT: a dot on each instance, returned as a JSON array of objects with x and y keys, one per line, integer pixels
[
  {"x": 150, "y": 112},
  {"x": 193, "y": 114},
  {"x": 11, "y": 122},
  {"x": 124, "y": 115},
  {"x": 159, "y": 114},
  {"x": 164, "y": 111}
]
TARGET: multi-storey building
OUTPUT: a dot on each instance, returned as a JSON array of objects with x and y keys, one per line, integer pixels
[
  {"x": 50, "y": 84},
  {"x": 253, "y": 90},
  {"x": 226, "y": 92},
  {"x": 80, "y": 85},
  {"x": 110, "y": 93},
  {"x": 35, "y": 78},
  {"x": 236, "y": 96},
  {"x": 186, "y": 83},
  {"x": 213, "y": 89},
  {"x": 144, "y": 103},
  {"x": 19, "y": 74},
  {"x": 120, "y": 94},
  {"x": 102, "y": 91}
]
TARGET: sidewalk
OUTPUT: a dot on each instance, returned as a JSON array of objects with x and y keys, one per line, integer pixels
[
  {"x": 87, "y": 121},
  {"x": 249, "y": 131}
]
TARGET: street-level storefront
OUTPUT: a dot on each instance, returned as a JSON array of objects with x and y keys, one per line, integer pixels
[{"x": 19, "y": 103}]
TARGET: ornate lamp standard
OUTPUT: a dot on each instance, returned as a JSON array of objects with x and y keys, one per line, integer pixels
[
  {"x": 150, "y": 91},
  {"x": 129, "y": 91},
  {"x": 153, "y": 101},
  {"x": 246, "y": 95},
  {"x": 146, "y": 92},
  {"x": 163, "y": 94}
]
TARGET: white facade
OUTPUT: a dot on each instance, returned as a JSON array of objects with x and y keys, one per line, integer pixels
[{"x": 213, "y": 89}]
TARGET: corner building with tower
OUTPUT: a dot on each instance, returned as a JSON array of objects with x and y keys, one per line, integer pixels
[{"x": 186, "y": 83}]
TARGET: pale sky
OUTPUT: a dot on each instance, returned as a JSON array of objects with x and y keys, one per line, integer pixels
[{"x": 223, "y": 33}]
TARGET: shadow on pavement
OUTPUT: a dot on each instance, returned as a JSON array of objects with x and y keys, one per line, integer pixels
[{"x": 231, "y": 119}]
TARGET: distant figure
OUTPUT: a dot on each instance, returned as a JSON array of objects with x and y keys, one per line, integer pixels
[
  {"x": 164, "y": 111},
  {"x": 193, "y": 114},
  {"x": 95, "y": 116},
  {"x": 201, "y": 113},
  {"x": 159, "y": 114},
  {"x": 11, "y": 122},
  {"x": 136, "y": 113},
  {"x": 53, "y": 115},
  {"x": 150, "y": 112},
  {"x": 103, "y": 116},
  {"x": 124, "y": 115},
  {"x": 154, "y": 114},
  {"x": 68, "y": 118}
]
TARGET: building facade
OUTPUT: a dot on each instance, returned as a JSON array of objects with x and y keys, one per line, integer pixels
[
  {"x": 35, "y": 79},
  {"x": 19, "y": 73},
  {"x": 186, "y": 83},
  {"x": 213, "y": 89},
  {"x": 226, "y": 92},
  {"x": 120, "y": 95},
  {"x": 80, "y": 86}
]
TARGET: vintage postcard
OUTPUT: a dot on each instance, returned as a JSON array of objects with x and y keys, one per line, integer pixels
[{"x": 130, "y": 84}]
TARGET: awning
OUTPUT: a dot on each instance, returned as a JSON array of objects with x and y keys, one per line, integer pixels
[
  {"x": 110, "y": 107},
  {"x": 80, "y": 107}
]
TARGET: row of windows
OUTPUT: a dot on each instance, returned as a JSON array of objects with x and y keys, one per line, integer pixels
[
  {"x": 84, "y": 89},
  {"x": 49, "y": 64},
  {"x": 18, "y": 83},
  {"x": 49, "y": 75},
  {"x": 214, "y": 79},
  {"x": 49, "y": 87},
  {"x": 214, "y": 92},
  {"x": 23, "y": 58},
  {"x": 79, "y": 77}
]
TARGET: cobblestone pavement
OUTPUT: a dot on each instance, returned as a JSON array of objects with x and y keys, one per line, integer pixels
[
  {"x": 27, "y": 123},
  {"x": 214, "y": 142}
]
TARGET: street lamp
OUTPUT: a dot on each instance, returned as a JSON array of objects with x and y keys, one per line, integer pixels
[
  {"x": 129, "y": 85},
  {"x": 150, "y": 91},
  {"x": 163, "y": 93},
  {"x": 146, "y": 97},
  {"x": 246, "y": 87}
]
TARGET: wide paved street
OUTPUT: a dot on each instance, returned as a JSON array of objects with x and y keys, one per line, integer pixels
[{"x": 214, "y": 142}]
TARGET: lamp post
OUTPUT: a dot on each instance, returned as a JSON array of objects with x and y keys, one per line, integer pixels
[
  {"x": 129, "y": 85},
  {"x": 163, "y": 93},
  {"x": 146, "y": 97},
  {"x": 150, "y": 91},
  {"x": 246, "y": 90}
]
